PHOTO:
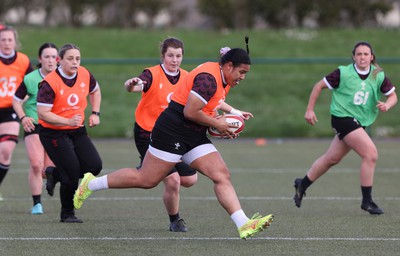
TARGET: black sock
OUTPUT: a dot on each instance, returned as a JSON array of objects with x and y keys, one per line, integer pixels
[
  {"x": 3, "y": 171},
  {"x": 174, "y": 217},
  {"x": 305, "y": 183},
  {"x": 366, "y": 194},
  {"x": 36, "y": 199}
]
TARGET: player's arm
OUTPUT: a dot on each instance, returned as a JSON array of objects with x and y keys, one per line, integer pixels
[
  {"x": 194, "y": 112},
  {"x": 388, "y": 89},
  {"x": 95, "y": 101},
  {"x": 45, "y": 99},
  {"x": 310, "y": 116},
  {"x": 141, "y": 83},
  {"x": 134, "y": 84},
  {"x": 231, "y": 110},
  {"x": 18, "y": 100},
  {"x": 391, "y": 101},
  {"x": 44, "y": 113},
  {"x": 199, "y": 96}
]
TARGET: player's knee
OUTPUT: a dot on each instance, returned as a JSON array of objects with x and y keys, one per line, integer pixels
[
  {"x": 372, "y": 158},
  {"x": 221, "y": 176},
  {"x": 7, "y": 149},
  {"x": 188, "y": 181},
  {"x": 333, "y": 160},
  {"x": 37, "y": 165},
  {"x": 172, "y": 181}
]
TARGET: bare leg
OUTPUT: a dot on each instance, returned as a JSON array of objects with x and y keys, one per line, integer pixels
[
  {"x": 336, "y": 151},
  {"x": 362, "y": 144},
  {"x": 188, "y": 181},
  {"x": 36, "y": 154},
  {"x": 7, "y": 147},
  {"x": 151, "y": 173},
  {"x": 171, "y": 193},
  {"x": 213, "y": 166}
]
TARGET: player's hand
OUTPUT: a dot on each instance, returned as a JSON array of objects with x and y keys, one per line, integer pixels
[
  {"x": 246, "y": 115},
  {"x": 76, "y": 120},
  {"x": 27, "y": 124},
  {"x": 382, "y": 106},
  {"x": 94, "y": 120},
  {"x": 131, "y": 83},
  {"x": 310, "y": 117},
  {"x": 223, "y": 127}
]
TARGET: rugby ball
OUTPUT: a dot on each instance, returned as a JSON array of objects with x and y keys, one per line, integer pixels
[{"x": 230, "y": 119}]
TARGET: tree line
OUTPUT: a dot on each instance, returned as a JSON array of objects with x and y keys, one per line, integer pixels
[{"x": 222, "y": 14}]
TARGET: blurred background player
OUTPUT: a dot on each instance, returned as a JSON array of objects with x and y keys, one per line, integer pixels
[
  {"x": 157, "y": 84},
  {"x": 14, "y": 66},
  {"x": 61, "y": 104},
  {"x": 356, "y": 92},
  {"x": 24, "y": 104}
]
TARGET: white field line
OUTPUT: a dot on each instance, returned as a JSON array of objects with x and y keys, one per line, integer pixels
[
  {"x": 336, "y": 170},
  {"x": 211, "y": 198},
  {"x": 391, "y": 239}
]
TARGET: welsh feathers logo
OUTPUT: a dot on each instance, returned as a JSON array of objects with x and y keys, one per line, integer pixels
[{"x": 73, "y": 99}]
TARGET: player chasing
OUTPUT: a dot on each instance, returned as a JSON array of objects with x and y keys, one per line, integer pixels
[
  {"x": 14, "y": 65},
  {"x": 24, "y": 103},
  {"x": 157, "y": 84},
  {"x": 61, "y": 102},
  {"x": 180, "y": 135},
  {"x": 356, "y": 92}
]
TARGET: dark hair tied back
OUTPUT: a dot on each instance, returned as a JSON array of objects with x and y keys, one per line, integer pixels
[
  {"x": 41, "y": 49},
  {"x": 237, "y": 56},
  {"x": 362, "y": 43},
  {"x": 65, "y": 48}
]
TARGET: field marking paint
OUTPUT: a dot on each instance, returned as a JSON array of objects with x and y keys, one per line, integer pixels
[
  {"x": 211, "y": 198},
  {"x": 362, "y": 239},
  {"x": 337, "y": 170}
]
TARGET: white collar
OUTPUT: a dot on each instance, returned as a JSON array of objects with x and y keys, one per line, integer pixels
[
  {"x": 64, "y": 75},
  {"x": 170, "y": 73},
  {"x": 7, "y": 56},
  {"x": 41, "y": 73},
  {"x": 362, "y": 72}
]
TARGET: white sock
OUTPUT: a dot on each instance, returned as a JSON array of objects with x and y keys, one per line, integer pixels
[
  {"x": 99, "y": 183},
  {"x": 239, "y": 218}
]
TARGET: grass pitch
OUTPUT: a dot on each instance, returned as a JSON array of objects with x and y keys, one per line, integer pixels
[{"x": 134, "y": 222}]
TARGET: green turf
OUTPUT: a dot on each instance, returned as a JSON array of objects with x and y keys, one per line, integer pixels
[
  {"x": 134, "y": 222},
  {"x": 275, "y": 92}
]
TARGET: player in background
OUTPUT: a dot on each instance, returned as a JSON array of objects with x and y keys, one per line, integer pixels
[
  {"x": 61, "y": 104},
  {"x": 24, "y": 104},
  {"x": 180, "y": 135},
  {"x": 157, "y": 84},
  {"x": 14, "y": 66},
  {"x": 356, "y": 101}
]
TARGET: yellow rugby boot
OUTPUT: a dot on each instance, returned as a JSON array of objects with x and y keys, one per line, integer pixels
[
  {"x": 256, "y": 224},
  {"x": 83, "y": 192}
]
